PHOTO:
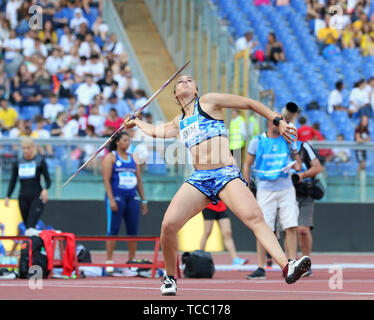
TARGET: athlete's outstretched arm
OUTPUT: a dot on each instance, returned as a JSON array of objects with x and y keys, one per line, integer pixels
[
  {"x": 222, "y": 100},
  {"x": 163, "y": 131}
]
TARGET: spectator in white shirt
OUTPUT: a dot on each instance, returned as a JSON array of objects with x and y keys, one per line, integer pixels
[
  {"x": 54, "y": 63},
  {"x": 28, "y": 44},
  {"x": 335, "y": 100},
  {"x": 114, "y": 88},
  {"x": 11, "y": 11},
  {"x": 12, "y": 46},
  {"x": 359, "y": 101},
  {"x": 126, "y": 82},
  {"x": 96, "y": 120},
  {"x": 18, "y": 129},
  {"x": 41, "y": 133},
  {"x": 77, "y": 20},
  {"x": 68, "y": 61},
  {"x": 4, "y": 29},
  {"x": 87, "y": 91},
  {"x": 140, "y": 100},
  {"x": 52, "y": 108},
  {"x": 88, "y": 47},
  {"x": 99, "y": 103},
  {"x": 67, "y": 40},
  {"x": 82, "y": 120},
  {"x": 100, "y": 28},
  {"x": 341, "y": 154},
  {"x": 73, "y": 105},
  {"x": 97, "y": 68},
  {"x": 71, "y": 128},
  {"x": 246, "y": 42},
  {"x": 371, "y": 91},
  {"x": 40, "y": 48},
  {"x": 82, "y": 69},
  {"x": 114, "y": 46}
]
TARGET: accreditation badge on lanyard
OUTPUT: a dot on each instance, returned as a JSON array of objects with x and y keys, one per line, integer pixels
[
  {"x": 189, "y": 128},
  {"x": 27, "y": 170}
]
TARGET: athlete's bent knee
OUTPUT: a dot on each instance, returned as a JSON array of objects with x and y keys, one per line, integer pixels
[
  {"x": 255, "y": 217},
  {"x": 168, "y": 228}
]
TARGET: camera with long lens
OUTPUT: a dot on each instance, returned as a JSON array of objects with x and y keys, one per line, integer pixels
[
  {"x": 313, "y": 187},
  {"x": 302, "y": 189}
]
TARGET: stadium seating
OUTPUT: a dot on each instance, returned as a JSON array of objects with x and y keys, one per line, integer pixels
[{"x": 306, "y": 75}]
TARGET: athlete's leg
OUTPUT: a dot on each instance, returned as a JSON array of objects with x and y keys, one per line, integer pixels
[
  {"x": 24, "y": 206},
  {"x": 132, "y": 217},
  {"x": 35, "y": 211},
  {"x": 268, "y": 202},
  {"x": 187, "y": 202},
  {"x": 114, "y": 219},
  {"x": 225, "y": 226},
  {"x": 243, "y": 204},
  {"x": 208, "y": 225}
]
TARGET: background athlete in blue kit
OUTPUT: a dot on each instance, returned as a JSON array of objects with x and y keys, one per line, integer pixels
[{"x": 122, "y": 180}]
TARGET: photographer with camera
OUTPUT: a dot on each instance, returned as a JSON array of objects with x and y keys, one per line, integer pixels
[{"x": 307, "y": 189}]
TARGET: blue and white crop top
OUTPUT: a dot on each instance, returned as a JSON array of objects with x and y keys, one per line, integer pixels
[{"x": 200, "y": 127}]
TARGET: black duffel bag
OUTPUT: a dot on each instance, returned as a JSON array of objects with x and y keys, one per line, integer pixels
[
  {"x": 39, "y": 257},
  {"x": 198, "y": 264}
]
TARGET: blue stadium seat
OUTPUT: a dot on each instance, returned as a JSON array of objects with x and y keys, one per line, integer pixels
[
  {"x": 92, "y": 16},
  {"x": 29, "y": 112},
  {"x": 52, "y": 164},
  {"x": 332, "y": 169}
]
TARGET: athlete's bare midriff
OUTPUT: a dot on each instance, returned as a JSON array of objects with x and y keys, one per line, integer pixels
[{"x": 212, "y": 154}]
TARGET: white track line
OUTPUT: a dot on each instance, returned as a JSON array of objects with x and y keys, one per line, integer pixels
[
  {"x": 207, "y": 289},
  {"x": 182, "y": 281},
  {"x": 252, "y": 267}
]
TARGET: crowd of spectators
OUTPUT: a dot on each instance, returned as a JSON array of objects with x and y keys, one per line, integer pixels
[
  {"x": 352, "y": 26},
  {"x": 72, "y": 70},
  {"x": 72, "y": 73},
  {"x": 361, "y": 99}
]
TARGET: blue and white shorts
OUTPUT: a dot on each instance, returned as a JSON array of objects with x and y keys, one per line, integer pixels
[{"x": 211, "y": 182}]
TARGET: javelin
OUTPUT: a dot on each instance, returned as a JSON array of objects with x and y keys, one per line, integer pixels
[{"x": 133, "y": 116}]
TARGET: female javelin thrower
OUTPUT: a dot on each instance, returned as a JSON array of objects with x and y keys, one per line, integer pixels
[{"x": 215, "y": 177}]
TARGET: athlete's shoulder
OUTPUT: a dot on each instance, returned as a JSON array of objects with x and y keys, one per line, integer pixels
[
  {"x": 111, "y": 156},
  {"x": 210, "y": 98}
]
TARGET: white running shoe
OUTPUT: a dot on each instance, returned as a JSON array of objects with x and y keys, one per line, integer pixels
[
  {"x": 109, "y": 269},
  {"x": 296, "y": 268},
  {"x": 168, "y": 287}
]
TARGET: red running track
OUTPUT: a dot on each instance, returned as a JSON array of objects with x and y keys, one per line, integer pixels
[{"x": 358, "y": 284}]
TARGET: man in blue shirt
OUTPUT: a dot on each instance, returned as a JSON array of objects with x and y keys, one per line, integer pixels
[
  {"x": 272, "y": 158},
  {"x": 121, "y": 106}
]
